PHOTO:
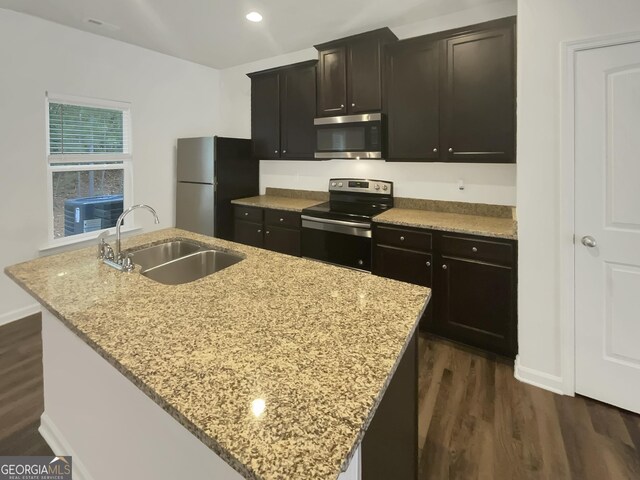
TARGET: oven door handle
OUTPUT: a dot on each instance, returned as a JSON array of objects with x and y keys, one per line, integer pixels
[
  {"x": 337, "y": 226},
  {"x": 336, "y": 222}
]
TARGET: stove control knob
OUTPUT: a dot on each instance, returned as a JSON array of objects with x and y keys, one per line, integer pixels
[
  {"x": 384, "y": 187},
  {"x": 339, "y": 184},
  {"x": 377, "y": 187},
  {"x": 333, "y": 184}
]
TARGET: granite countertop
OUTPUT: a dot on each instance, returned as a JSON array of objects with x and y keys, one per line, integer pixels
[
  {"x": 451, "y": 222},
  {"x": 318, "y": 343},
  {"x": 277, "y": 202}
]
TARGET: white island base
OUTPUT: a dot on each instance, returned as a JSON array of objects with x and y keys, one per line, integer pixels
[{"x": 111, "y": 428}]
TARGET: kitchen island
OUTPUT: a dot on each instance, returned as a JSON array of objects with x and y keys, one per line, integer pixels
[{"x": 275, "y": 367}]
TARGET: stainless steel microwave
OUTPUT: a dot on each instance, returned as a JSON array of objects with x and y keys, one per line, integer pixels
[{"x": 350, "y": 136}]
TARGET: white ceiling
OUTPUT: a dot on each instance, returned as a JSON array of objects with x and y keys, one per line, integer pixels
[{"x": 216, "y": 33}]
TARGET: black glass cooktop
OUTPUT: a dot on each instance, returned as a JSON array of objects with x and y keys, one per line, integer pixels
[{"x": 348, "y": 212}]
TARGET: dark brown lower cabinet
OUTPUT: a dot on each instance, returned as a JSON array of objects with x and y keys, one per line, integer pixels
[
  {"x": 283, "y": 240},
  {"x": 248, "y": 233},
  {"x": 404, "y": 265},
  {"x": 276, "y": 230},
  {"x": 475, "y": 304},
  {"x": 473, "y": 281}
]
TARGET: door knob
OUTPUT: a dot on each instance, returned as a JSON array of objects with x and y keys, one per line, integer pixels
[{"x": 589, "y": 241}]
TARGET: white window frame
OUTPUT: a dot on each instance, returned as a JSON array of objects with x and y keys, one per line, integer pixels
[{"x": 74, "y": 163}]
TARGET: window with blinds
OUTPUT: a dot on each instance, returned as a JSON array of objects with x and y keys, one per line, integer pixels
[
  {"x": 78, "y": 130},
  {"x": 89, "y": 164}
]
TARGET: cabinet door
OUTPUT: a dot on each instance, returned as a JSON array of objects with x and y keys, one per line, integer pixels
[
  {"x": 363, "y": 76},
  {"x": 248, "y": 233},
  {"x": 479, "y": 102},
  {"x": 298, "y": 109},
  {"x": 404, "y": 265},
  {"x": 265, "y": 116},
  {"x": 476, "y": 304},
  {"x": 412, "y": 102},
  {"x": 283, "y": 240},
  {"x": 332, "y": 82}
]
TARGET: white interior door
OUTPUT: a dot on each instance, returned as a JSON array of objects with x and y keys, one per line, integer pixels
[{"x": 607, "y": 228}]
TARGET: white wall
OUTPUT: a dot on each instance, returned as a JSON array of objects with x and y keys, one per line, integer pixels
[
  {"x": 170, "y": 98},
  {"x": 542, "y": 26},
  {"x": 483, "y": 183}
]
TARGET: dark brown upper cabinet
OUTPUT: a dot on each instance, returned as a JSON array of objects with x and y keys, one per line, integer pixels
[
  {"x": 479, "y": 95},
  {"x": 349, "y": 73},
  {"x": 450, "y": 96},
  {"x": 412, "y": 100},
  {"x": 283, "y": 106}
]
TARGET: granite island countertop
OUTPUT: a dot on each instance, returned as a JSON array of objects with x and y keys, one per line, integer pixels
[{"x": 317, "y": 342}]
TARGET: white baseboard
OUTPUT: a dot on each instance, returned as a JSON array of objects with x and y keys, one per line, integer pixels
[
  {"x": 56, "y": 441},
  {"x": 553, "y": 383},
  {"x": 19, "y": 313}
]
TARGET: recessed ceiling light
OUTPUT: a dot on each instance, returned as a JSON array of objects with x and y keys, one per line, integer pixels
[{"x": 254, "y": 17}]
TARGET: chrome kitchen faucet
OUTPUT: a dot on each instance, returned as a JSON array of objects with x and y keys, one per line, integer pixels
[{"x": 113, "y": 256}]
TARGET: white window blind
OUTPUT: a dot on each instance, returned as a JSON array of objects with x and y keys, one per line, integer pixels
[{"x": 78, "y": 130}]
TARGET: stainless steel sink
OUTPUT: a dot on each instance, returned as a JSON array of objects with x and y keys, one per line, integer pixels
[
  {"x": 165, "y": 252},
  {"x": 192, "y": 267}
]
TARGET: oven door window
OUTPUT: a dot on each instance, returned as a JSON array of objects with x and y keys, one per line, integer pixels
[{"x": 337, "y": 248}]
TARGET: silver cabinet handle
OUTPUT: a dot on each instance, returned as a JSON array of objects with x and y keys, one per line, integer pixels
[
  {"x": 282, "y": 219},
  {"x": 435, "y": 150},
  {"x": 246, "y": 214},
  {"x": 474, "y": 249},
  {"x": 444, "y": 267},
  {"x": 450, "y": 150},
  {"x": 353, "y": 104},
  {"x": 402, "y": 239},
  {"x": 589, "y": 241},
  {"x": 284, "y": 151},
  {"x": 360, "y": 262},
  {"x": 259, "y": 231},
  {"x": 267, "y": 232},
  {"x": 428, "y": 264},
  {"x": 275, "y": 151},
  {"x": 341, "y": 105}
]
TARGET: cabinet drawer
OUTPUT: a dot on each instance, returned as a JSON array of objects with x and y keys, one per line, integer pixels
[
  {"x": 473, "y": 248},
  {"x": 248, "y": 214},
  {"x": 397, "y": 237},
  {"x": 282, "y": 218}
]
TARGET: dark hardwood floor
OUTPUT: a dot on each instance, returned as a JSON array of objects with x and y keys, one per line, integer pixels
[
  {"x": 476, "y": 420},
  {"x": 21, "y": 394}
]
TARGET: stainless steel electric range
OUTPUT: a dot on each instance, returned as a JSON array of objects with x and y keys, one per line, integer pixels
[{"x": 339, "y": 231}]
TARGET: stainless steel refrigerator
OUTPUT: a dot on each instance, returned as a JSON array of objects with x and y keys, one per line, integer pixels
[{"x": 212, "y": 171}]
